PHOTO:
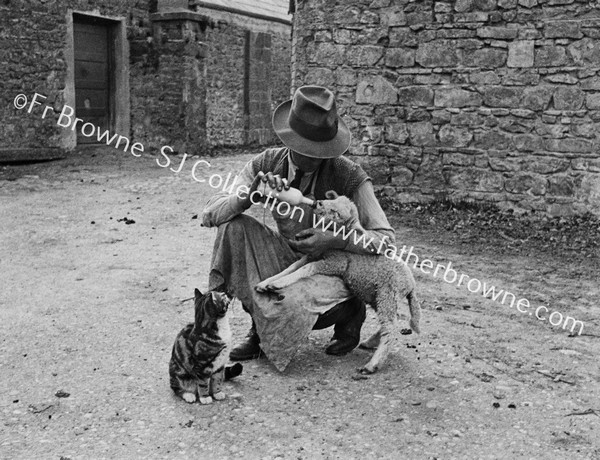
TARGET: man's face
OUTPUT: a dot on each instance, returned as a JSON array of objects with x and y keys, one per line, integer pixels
[{"x": 306, "y": 164}]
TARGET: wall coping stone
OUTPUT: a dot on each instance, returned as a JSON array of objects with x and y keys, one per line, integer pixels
[
  {"x": 179, "y": 15},
  {"x": 239, "y": 11},
  {"x": 10, "y": 155}
]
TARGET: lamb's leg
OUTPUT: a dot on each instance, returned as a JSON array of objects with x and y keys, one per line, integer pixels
[
  {"x": 414, "y": 307},
  {"x": 385, "y": 305},
  {"x": 372, "y": 342},
  {"x": 381, "y": 353},
  {"x": 262, "y": 286},
  {"x": 216, "y": 381},
  {"x": 304, "y": 272}
]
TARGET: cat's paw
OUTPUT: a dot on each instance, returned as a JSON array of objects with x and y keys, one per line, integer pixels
[
  {"x": 220, "y": 396},
  {"x": 206, "y": 400},
  {"x": 189, "y": 397}
]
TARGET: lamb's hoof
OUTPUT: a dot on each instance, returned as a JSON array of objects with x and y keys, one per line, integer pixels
[
  {"x": 366, "y": 346},
  {"x": 189, "y": 397},
  {"x": 206, "y": 400},
  {"x": 270, "y": 288},
  {"x": 367, "y": 370},
  {"x": 220, "y": 396}
]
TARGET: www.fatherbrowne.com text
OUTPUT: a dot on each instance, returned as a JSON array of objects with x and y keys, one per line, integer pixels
[{"x": 67, "y": 120}]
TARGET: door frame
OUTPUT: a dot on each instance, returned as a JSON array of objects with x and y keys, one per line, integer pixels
[{"x": 119, "y": 79}]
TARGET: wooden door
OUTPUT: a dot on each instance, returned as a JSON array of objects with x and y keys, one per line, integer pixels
[{"x": 92, "y": 76}]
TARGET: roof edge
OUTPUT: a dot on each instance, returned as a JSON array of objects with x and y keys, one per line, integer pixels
[{"x": 211, "y": 6}]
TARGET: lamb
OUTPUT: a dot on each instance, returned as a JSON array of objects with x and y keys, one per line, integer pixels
[{"x": 376, "y": 280}]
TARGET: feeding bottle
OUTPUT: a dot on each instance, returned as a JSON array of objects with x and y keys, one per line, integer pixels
[{"x": 292, "y": 196}]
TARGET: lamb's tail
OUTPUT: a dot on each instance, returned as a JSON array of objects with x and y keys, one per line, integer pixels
[{"x": 414, "y": 307}]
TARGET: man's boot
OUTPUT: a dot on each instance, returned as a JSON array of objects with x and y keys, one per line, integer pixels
[
  {"x": 347, "y": 327},
  {"x": 249, "y": 348}
]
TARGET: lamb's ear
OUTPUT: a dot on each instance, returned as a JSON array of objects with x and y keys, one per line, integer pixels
[
  {"x": 197, "y": 293},
  {"x": 331, "y": 195}
]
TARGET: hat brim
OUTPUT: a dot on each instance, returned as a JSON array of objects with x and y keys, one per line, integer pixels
[{"x": 325, "y": 149}]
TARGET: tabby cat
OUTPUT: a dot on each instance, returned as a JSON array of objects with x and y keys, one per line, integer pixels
[{"x": 201, "y": 350}]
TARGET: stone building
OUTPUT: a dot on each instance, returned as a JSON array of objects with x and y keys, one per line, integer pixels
[
  {"x": 495, "y": 100},
  {"x": 193, "y": 75}
]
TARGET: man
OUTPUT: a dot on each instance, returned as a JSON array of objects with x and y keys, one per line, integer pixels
[{"x": 247, "y": 252}]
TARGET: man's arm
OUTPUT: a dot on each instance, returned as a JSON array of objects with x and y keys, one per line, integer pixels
[
  {"x": 239, "y": 196},
  {"x": 373, "y": 220},
  {"x": 224, "y": 206}
]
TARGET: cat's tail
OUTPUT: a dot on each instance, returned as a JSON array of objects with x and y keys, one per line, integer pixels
[{"x": 232, "y": 372}]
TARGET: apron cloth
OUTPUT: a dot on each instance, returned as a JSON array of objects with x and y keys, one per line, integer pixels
[{"x": 247, "y": 252}]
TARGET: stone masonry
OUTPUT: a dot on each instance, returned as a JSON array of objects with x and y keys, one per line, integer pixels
[
  {"x": 211, "y": 74},
  {"x": 247, "y": 74},
  {"x": 195, "y": 80},
  {"x": 33, "y": 42},
  {"x": 491, "y": 100}
]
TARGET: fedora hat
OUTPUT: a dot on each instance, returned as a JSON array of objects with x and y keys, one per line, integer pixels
[{"x": 309, "y": 124}]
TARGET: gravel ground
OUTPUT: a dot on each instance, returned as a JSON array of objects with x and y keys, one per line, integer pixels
[{"x": 101, "y": 252}]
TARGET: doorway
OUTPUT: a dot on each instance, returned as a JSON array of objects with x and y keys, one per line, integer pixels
[
  {"x": 97, "y": 81},
  {"x": 94, "y": 73}
]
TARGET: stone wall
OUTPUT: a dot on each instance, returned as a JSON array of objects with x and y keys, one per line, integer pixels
[
  {"x": 33, "y": 37},
  {"x": 248, "y": 73},
  {"x": 169, "y": 84},
  {"x": 186, "y": 75},
  {"x": 212, "y": 74},
  {"x": 494, "y": 100},
  {"x": 225, "y": 77},
  {"x": 281, "y": 50},
  {"x": 258, "y": 87}
]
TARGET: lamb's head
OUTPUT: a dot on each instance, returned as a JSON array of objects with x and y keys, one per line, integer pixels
[{"x": 338, "y": 209}]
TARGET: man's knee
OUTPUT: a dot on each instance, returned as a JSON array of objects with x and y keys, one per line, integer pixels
[{"x": 237, "y": 226}]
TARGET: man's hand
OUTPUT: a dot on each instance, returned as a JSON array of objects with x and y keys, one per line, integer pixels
[
  {"x": 275, "y": 181},
  {"x": 315, "y": 242}
]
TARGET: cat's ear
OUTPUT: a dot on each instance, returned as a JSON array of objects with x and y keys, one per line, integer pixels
[
  {"x": 331, "y": 194},
  {"x": 197, "y": 293}
]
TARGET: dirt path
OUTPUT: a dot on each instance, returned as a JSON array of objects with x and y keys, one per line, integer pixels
[{"x": 90, "y": 305}]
